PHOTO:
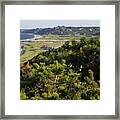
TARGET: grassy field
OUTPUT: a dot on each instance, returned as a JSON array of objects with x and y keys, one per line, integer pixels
[
  {"x": 32, "y": 48},
  {"x": 62, "y": 37}
]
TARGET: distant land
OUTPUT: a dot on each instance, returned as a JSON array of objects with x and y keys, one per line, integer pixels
[{"x": 63, "y": 30}]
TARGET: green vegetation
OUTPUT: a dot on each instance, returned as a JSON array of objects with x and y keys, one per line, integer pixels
[
  {"x": 64, "y": 30},
  {"x": 32, "y": 48},
  {"x": 68, "y": 72},
  {"x": 61, "y": 37}
]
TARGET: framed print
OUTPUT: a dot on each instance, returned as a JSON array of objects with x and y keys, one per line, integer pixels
[{"x": 60, "y": 60}]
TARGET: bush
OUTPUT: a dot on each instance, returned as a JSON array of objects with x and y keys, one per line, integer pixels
[{"x": 58, "y": 76}]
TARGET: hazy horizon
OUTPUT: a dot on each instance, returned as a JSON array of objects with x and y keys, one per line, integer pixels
[{"x": 32, "y": 24}]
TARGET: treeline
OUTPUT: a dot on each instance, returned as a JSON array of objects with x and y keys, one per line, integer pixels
[
  {"x": 70, "y": 72},
  {"x": 63, "y": 30}
]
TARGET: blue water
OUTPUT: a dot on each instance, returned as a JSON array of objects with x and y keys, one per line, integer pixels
[{"x": 26, "y": 36}]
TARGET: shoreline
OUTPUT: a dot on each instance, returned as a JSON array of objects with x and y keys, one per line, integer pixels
[{"x": 34, "y": 38}]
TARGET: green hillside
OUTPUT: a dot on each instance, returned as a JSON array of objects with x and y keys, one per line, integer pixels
[{"x": 68, "y": 72}]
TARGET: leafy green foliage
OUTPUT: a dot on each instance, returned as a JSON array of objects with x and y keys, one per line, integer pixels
[{"x": 56, "y": 74}]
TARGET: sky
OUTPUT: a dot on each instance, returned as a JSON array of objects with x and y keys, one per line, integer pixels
[{"x": 53, "y": 23}]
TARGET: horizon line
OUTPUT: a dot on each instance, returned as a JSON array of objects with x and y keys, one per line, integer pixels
[{"x": 62, "y": 26}]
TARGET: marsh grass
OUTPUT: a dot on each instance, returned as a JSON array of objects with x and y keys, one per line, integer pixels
[{"x": 32, "y": 48}]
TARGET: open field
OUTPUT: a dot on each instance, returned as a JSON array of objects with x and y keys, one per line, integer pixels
[{"x": 32, "y": 48}]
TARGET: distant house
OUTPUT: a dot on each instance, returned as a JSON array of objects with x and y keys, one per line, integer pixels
[
  {"x": 45, "y": 47},
  {"x": 84, "y": 34}
]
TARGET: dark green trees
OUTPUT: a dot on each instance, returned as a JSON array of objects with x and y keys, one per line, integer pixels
[{"x": 56, "y": 74}]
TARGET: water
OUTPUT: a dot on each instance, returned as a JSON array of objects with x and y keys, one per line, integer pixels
[{"x": 26, "y": 36}]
